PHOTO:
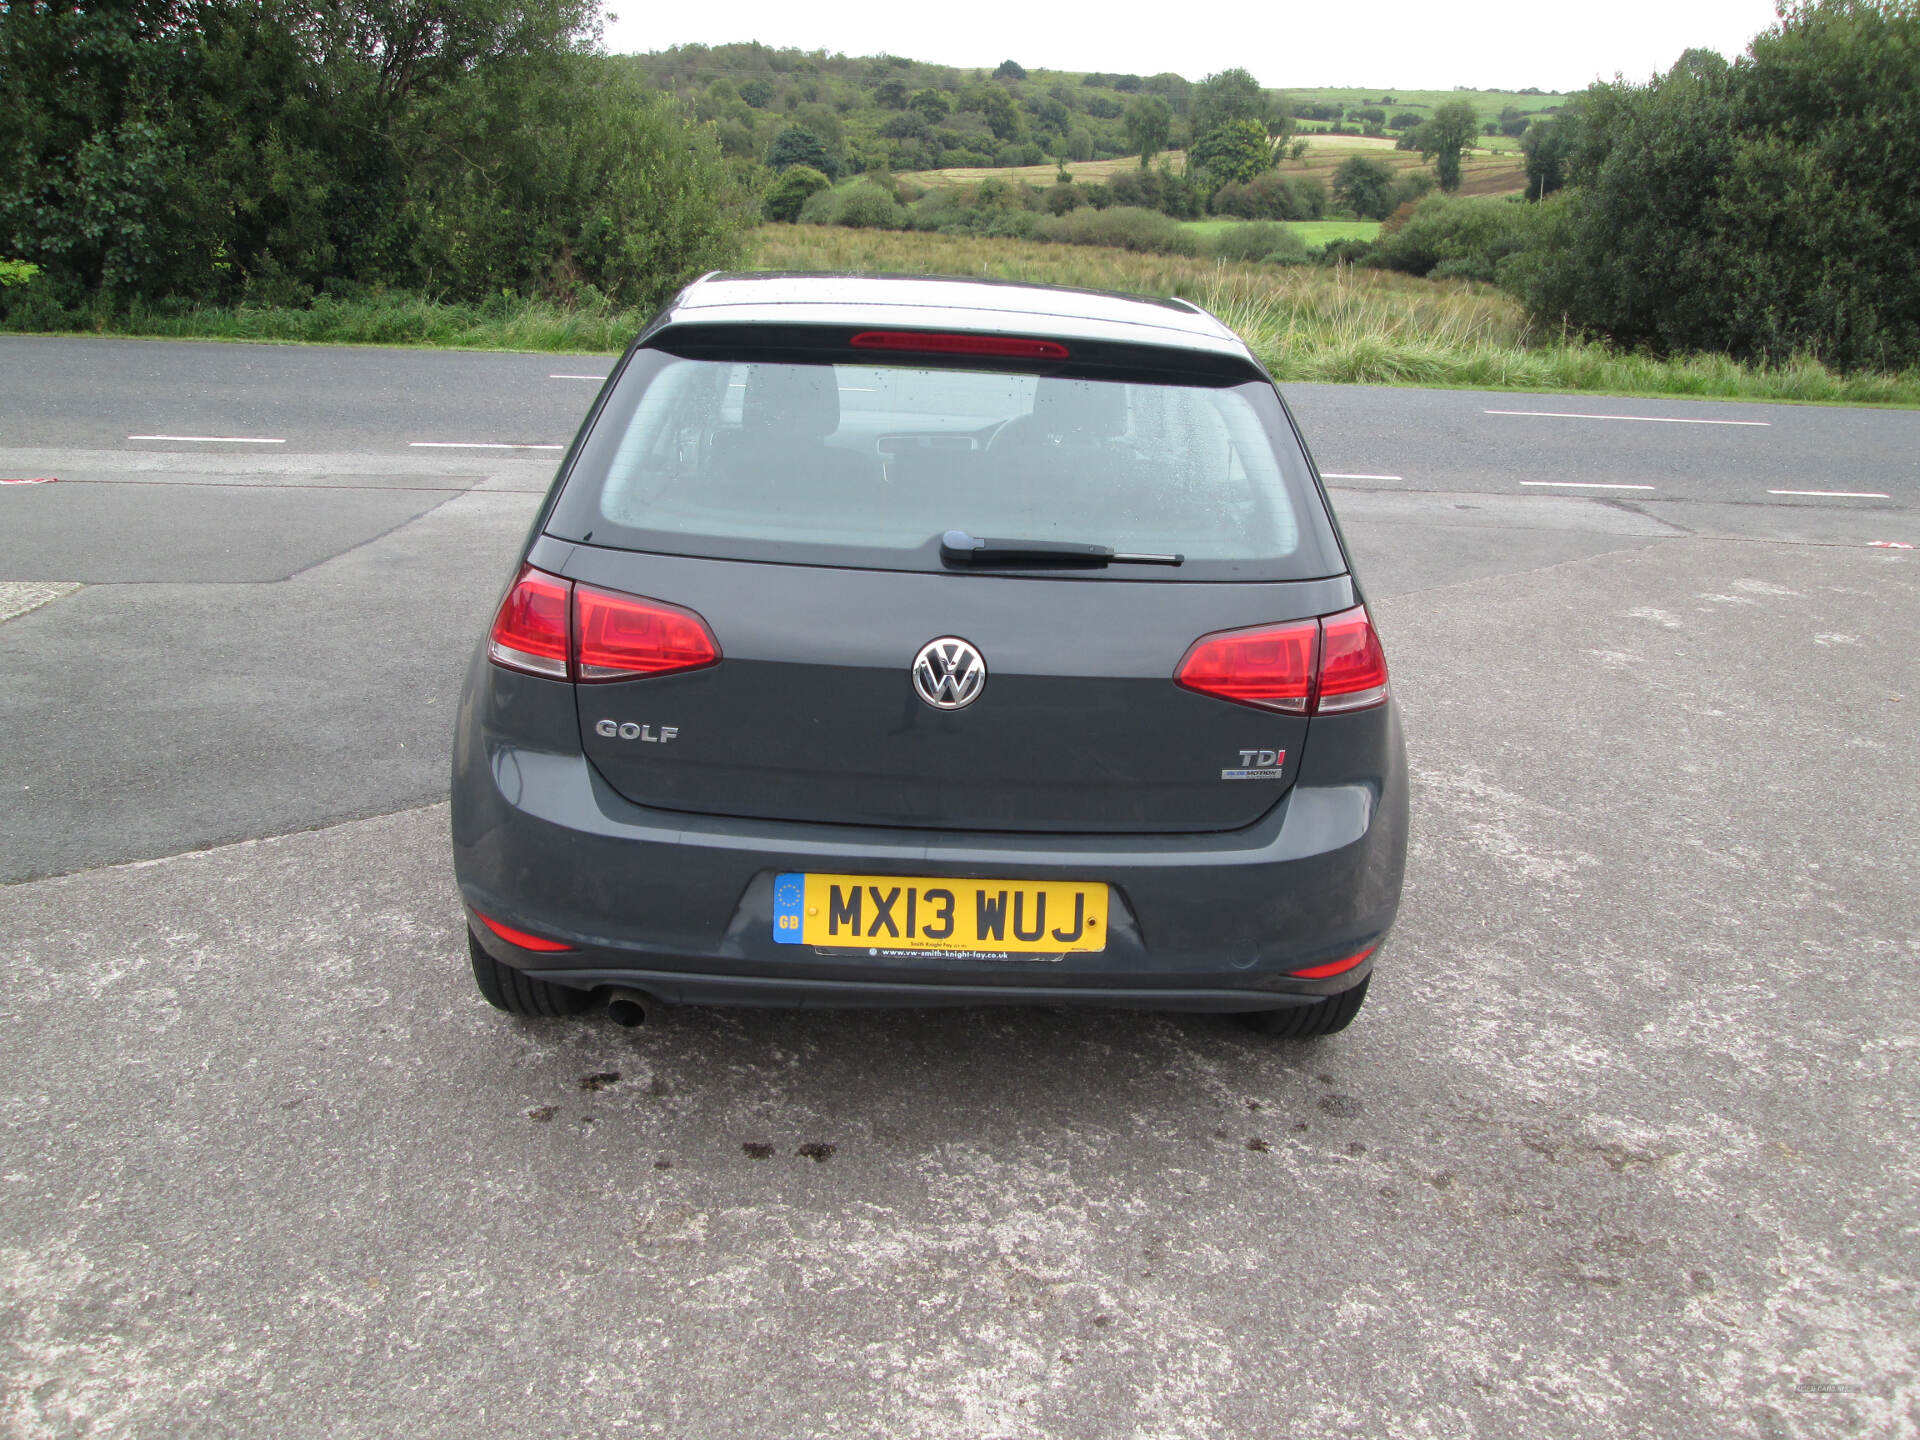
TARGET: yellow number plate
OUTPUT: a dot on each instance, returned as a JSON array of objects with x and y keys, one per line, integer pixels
[{"x": 894, "y": 912}]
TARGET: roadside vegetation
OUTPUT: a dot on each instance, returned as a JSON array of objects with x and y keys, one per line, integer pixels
[
  {"x": 330, "y": 173},
  {"x": 1307, "y": 323}
]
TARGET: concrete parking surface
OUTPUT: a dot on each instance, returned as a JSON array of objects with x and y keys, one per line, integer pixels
[{"x": 1621, "y": 1145}]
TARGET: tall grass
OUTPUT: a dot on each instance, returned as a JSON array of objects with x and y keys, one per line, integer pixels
[
  {"x": 1305, "y": 323},
  {"x": 1342, "y": 325}
]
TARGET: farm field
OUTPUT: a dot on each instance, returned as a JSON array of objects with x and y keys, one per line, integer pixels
[{"x": 1482, "y": 172}]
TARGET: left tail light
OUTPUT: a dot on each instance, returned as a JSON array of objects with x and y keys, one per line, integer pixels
[{"x": 553, "y": 627}]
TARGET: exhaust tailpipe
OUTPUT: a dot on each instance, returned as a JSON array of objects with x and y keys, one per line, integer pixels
[{"x": 628, "y": 1008}]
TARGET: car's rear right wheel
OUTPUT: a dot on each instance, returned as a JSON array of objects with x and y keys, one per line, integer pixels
[
  {"x": 518, "y": 993},
  {"x": 1309, "y": 1022}
]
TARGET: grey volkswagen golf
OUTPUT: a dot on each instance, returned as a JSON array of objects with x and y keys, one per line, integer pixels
[{"x": 901, "y": 641}]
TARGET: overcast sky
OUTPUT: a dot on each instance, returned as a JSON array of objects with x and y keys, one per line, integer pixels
[{"x": 1430, "y": 45}]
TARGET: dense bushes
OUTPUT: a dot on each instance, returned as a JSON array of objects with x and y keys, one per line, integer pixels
[
  {"x": 1446, "y": 238},
  {"x": 208, "y": 152},
  {"x": 797, "y": 184},
  {"x": 1763, "y": 209},
  {"x": 863, "y": 205},
  {"x": 1273, "y": 197},
  {"x": 1125, "y": 227},
  {"x": 1005, "y": 210}
]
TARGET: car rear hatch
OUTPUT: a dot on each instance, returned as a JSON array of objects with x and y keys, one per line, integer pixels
[{"x": 785, "y": 509}]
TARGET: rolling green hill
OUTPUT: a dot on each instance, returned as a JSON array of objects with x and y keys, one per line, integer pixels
[{"x": 912, "y": 116}]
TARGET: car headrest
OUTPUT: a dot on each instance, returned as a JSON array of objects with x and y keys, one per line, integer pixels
[
  {"x": 799, "y": 401},
  {"x": 1083, "y": 409}
]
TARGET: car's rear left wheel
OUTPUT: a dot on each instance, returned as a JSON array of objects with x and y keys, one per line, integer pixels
[
  {"x": 1309, "y": 1022},
  {"x": 518, "y": 993}
]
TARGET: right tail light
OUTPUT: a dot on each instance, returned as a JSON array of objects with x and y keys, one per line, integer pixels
[{"x": 1327, "y": 666}]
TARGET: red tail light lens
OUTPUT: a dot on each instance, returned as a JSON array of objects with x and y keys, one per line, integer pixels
[
  {"x": 1353, "y": 668},
  {"x": 1271, "y": 666},
  {"x": 621, "y": 636},
  {"x": 1306, "y": 667},
  {"x": 924, "y": 343},
  {"x": 1337, "y": 967},
  {"x": 530, "y": 631},
  {"x": 521, "y": 937},
  {"x": 611, "y": 636}
]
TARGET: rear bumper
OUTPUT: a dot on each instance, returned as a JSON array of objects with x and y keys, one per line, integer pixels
[{"x": 681, "y": 906}]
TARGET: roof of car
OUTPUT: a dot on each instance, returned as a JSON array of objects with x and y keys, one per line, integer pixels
[{"x": 940, "y": 303}]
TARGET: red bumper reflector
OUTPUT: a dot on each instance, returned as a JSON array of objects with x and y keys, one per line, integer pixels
[
  {"x": 519, "y": 937},
  {"x": 1012, "y": 346},
  {"x": 1335, "y": 967}
]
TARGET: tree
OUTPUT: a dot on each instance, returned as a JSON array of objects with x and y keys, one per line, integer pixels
[
  {"x": 1445, "y": 137},
  {"x": 1009, "y": 70},
  {"x": 1231, "y": 153},
  {"x": 890, "y": 95},
  {"x": 997, "y": 108},
  {"x": 218, "y": 151},
  {"x": 1225, "y": 97},
  {"x": 932, "y": 104},
  {"x": 1549, "y": 146},
  {"x": 793, "y": 189},
  {"x": 797, "y": 145},
  {"x": 1366, "y": 187},
  {"x": 1149, "y": 121},
  {"x": 1763, "y": 209}
]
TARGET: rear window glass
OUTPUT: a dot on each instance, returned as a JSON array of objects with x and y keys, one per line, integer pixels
[{"x": 868, "y": 465}]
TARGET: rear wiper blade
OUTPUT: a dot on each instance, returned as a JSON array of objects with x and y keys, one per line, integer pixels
[{"x": 957, "y": 547}]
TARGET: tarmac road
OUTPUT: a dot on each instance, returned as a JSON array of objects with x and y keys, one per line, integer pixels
[{"x": 1621, "y": 1145}]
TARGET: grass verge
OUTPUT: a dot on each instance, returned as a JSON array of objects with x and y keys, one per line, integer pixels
[{"x": 1305, "y": 323}]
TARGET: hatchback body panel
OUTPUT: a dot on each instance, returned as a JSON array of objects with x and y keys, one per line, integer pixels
[{"x": 813, "y": 716}]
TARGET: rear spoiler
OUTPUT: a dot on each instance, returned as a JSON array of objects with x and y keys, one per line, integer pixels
[{"x": 815, "y": 344}]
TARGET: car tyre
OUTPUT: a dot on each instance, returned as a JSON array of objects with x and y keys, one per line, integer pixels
[
  {"x": 1310, "y": 1022},
  {"x": 518, "y": 993}
]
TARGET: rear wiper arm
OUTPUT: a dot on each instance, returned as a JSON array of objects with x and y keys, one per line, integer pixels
[{"x": 957, "y": 547}]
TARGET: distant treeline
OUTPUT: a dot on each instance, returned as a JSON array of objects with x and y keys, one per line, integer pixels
[
  {"x": 886, "y": 112},
  {"x": 261, "y": 150}
]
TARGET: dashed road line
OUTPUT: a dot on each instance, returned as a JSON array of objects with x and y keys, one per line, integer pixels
[
  {"x": 595, "y": 378},
  {"x": 1647, "y": 419},
  {"x": 476, "y": 445},
  {"x": 1838, "y": 494},
  {"x": 1329, "y": 475},
  {"x": 212, "y": 439},
  {"x": 1586, "y": 485}
]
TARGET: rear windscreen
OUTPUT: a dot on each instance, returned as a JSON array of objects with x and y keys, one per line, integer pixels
[{"x": 868, "y": 465}]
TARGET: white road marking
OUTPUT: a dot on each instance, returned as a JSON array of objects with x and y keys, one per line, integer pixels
[
  {"x": 1329, "y": 475},
  {"x": 1838, "y": 494},
  {"x": 595, "y": 378},
  {"x": 1649, "y": 419},
  {"x": 212, "y": 439},
  {"x": 1585, "y": 485},
  {"x": 476, "y": 445}
]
